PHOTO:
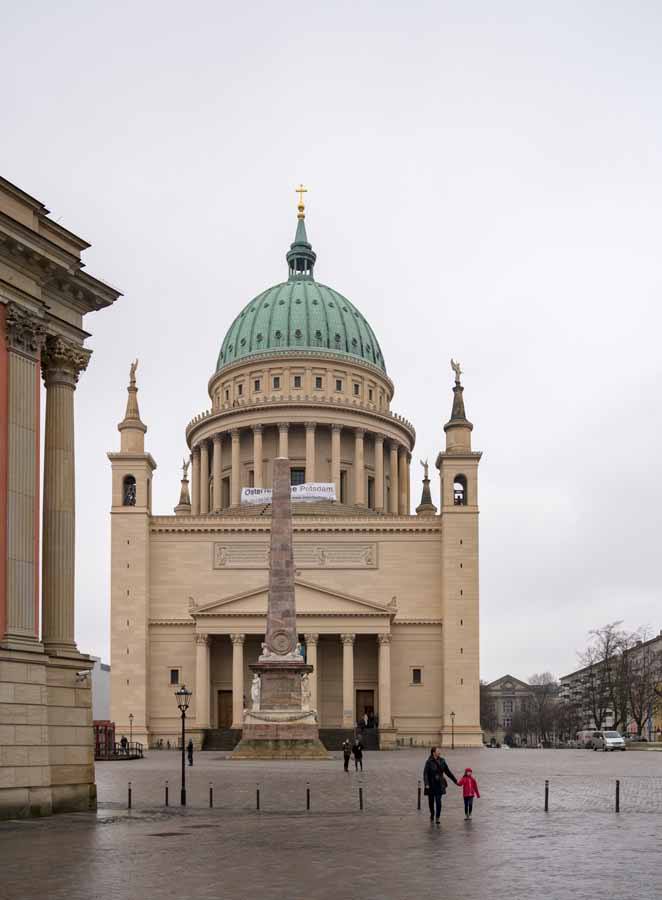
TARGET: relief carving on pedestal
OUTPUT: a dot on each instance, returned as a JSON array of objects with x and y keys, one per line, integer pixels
[{"x": 306, "y": 556}]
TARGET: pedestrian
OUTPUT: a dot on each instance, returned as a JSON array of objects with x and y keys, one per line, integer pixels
[
  {"x": 470, "y": 790},
  {"x": 434, "y": 781},
  {"x": 346, "y": 752},
  {"x": 124, "y": 744},
  {"x": 189, "y": 752},
  {"x": 357, "y": 750},
  {"x": 366, "y": 720}
]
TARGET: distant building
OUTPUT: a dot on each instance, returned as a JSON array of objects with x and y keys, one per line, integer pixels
[
  {"x": 100, "y": 690},
  {"x": 508, "y": 696}
]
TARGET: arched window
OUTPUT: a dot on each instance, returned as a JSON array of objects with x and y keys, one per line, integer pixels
[
  {"x": 460, "y": 490},
  {"x": 129, "y": 491}
]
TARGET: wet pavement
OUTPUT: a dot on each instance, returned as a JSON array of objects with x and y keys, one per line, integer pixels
[{"x": 581, "y": 848}]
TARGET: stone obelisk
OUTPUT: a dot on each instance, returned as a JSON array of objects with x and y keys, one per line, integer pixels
[{"x": 280, "y": 724}]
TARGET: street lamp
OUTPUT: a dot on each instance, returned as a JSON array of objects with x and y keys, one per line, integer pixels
[
  {"x": 452, "y": 731},
  {"x": 183, "y": 696},
  {"x": 130, "y": 730}
]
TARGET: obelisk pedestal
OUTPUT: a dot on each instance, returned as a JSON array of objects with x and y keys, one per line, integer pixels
[{"x": 281, "y": 724}]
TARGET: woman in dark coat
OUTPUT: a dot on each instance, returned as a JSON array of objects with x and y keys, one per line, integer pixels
[{"x": 434, "y": 781}]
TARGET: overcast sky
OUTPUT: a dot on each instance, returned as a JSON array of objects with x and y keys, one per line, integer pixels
[{"x": 484, "y": 183}]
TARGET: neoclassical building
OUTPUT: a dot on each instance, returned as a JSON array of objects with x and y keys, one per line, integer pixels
[{"x": 387, "y": 600}]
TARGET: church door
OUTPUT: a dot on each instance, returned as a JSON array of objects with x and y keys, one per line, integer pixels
[
  {"x": 225, "y": 709},
  {"x": 365, "y": 703}
]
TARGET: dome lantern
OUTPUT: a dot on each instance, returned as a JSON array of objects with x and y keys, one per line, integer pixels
[{"x": 301, "y": 256}]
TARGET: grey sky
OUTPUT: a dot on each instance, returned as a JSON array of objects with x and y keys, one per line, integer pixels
[{"x": 483, "y": 184}]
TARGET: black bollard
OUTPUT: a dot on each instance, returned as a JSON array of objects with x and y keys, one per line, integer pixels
[
  {"x": 308, "y": 795},
  {"x": 257, "y": 797},
  {"x": 618, "y": 795},
  {"x": 360, "y": 797},
  {"x": 418, "y": 803},
  {"x": 546, "y": 795},
  {"x": 166, "y": 794},
  {"x": 211, "y": 795},
  {"x": 129, "y": 804}
]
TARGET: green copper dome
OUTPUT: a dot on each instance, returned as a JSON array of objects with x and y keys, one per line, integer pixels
[{"x": 301, "y": 315}]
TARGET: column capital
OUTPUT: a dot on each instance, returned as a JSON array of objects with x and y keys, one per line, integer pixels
[
  {"x": 311, "y": 426},
  {"x": 257, "y": 429},
  {"x": 283, "y": 426},
  {"x": 25, "y": 331},
  {"x": 202, "y": 639},
  {"x": 336, "y": 427},
  {"x": 348, "y": 638},
  {"x": 379, "y": 438},
  {"x": 217, "y": 437},
  {"x": 234, "y": 433},
  {"x": 195, "y": 450},
  {"x": 359, "y": 433},
  {"x": 311, "y": 638},
  {"x": 394, "y": 445},
  {"x": 62, "y": 361},
  {"x": 237, "y": 638},
  {"x": 384, "y": 638}
]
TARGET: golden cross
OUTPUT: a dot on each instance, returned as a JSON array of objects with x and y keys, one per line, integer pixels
[{"x": 301, "y": 190}]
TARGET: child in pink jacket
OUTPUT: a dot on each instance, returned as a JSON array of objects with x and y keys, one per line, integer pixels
[{"x": 469, "y": 787}]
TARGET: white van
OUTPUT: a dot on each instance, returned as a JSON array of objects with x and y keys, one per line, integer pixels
[{"x": 608, "y": 740}]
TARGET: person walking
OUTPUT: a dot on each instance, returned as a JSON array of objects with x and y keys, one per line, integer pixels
[
  {"x": 357, "y": 750},
  {"x": 347, "y": 753},
  {"x": 124, "y": 744},
  {"x": 470, "y": 790},
  {"x": 189, "y": 752},
  {"x": 434, "y": 781}
]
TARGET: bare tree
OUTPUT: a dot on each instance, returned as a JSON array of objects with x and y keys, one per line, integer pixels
[
  {"x": 644, "y": 678},
  {"x": 488, "y": 715},
  {"x": 604, "y": 681},
  {"x": 524, "y": 721},
  {"x": 544, "y": 699}
]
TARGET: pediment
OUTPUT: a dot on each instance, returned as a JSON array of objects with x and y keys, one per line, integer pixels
[
  {"x": 311, "y": 600},
  {"x": 508, "y": 683}
]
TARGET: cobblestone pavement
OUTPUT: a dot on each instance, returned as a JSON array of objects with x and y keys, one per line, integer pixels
[{"x": 511, "y": 848}]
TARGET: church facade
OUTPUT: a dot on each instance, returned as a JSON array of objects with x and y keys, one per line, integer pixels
[{"x": 387, "y": 600}]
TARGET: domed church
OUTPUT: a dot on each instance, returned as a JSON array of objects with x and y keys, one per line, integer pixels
[{"x": 387, "y": 598}]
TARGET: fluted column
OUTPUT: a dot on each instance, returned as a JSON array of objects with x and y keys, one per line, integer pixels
[
  {"x": 310, "y": 451},
  {"x": 348, "y": 717},
  {"x": 195, "y": 481},
  {"x": 257, "y": 456},
  {"x": 283, "y": 431},
  {"x": 379, "y": 472},
  {"x": 61, "y": 362},
  {"x": 335, "y": 458},
  {"x": 237, "y": 680},
  {"x": 359, "y": 468},
  {"x": 408, "y": 483},
  {"x": 204, "y": 478},
  {"x": 393, "y": 470},
  {"x": 202, "y": 680},
  {"x": 384, "y": 680},
  {"x": 236, "y": 469},
  {"x": 217, "y": 474},
  {"x": 311, "y": 658},
  {"x": 402, "y": 479}
]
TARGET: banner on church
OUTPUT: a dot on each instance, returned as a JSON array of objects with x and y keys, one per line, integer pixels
[{"x": 300, "y": 492}]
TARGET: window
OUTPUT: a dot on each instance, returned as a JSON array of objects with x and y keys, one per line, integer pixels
[
  {"x": 339, "y": 384},
  {"x": 417, "y": 676},
  {"x": 257, "y": 386},
  {"x": 251, "y": 478},
  {"x": 129, "y": 491},
  {"x": 460, "y": 490},
  {"x": 227, "y": 396},
  {"x": 174, "y": 676},
  {"x": 357, "y": 389},
  {"x": 507, "y": 722},
  {"x": 276, "y": 382},
  {"x": 370, "y": 394},
  {"x": 343, "y": 486},
  {"x": 225, "y": 493},
  {"x": 371, "y": 492},
  {"x": 297, "y": 476},
  {"x": 240, "y": 389},
  {"x": 507, "y": 707},
  {"x": 297, "y": 381},
  {"x": 318, "y": 382}
]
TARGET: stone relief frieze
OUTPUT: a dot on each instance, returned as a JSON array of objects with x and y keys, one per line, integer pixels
[{"x": 306, "y": 556}]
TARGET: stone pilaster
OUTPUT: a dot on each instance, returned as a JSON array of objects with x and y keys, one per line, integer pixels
[
  {"x": 393, "y": 472},
  {"x": 312, "y": 641},
  {"x": 257, "y": 456},
  {"x": 235, "y": 481},
  {"x": 283, "y": 444},
  {"x": 62, "y": 362},
  {"x": 202, "y": 681},
  {"x": 379, "y": 473},
  {"x": 204, "y": 478},
  {"x": 402, "y": 482},
  {"x": 217, "y": 474},
  {"x": 237, "y": 679},
  {"x": 348, "y": 717},
  {"x": 359, "y": 468},
  {"x": 384, "y": 680},
  {"x": 195, "y": 478},
  {"x": 335, "y": 458},
  {"x": 310, "y": 451}
]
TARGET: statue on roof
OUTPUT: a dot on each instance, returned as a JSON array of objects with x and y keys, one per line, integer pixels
[
  {"x": 185, "y": 464},
  {"x": 426, "y": 467},
  {"x": 132, "y": 372},
  {"x": 455, "y": 366}
]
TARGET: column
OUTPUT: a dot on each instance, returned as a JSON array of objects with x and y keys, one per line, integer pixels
[
  {"x": 335, "y": 458},
  {"x": 402, "y": 480},
  {"x": 235, "y": 481},
  {"x": 384, "y": 683},
  {"x": 257, "y": 456},
  {"x": 311, "y": 658},
  {"x": 379, "y": 472},
  {"x": 217, "y": 474},
  {"x": 359, "y": 468},
  {"x": 393, "y": 470},
  {"x": 237, "y": 680},
  {"x": 204, "y": 478},
  {"x": 202, "y": 680},
  {"x": 408, "y": 483},
  {"x": 348, "y": 717},
  {"x": 195, "y": 479},
  {"x": 61, "y": 364},
  {"x": 310, "y": 451},
  {"x": 283, "y": 429}
]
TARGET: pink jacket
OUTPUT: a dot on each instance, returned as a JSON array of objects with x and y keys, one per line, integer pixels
[{"x": 469, "y": 785}]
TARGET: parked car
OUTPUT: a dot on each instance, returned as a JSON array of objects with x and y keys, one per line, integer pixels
[
  {"x": 608, "y": 740},
  {"x": 586, "y": 739}
]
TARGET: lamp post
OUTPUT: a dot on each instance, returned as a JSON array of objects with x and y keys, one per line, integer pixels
[
  {"x": 452, "y": 731},
  {"x": 183, "y": 696},
  {"x": 130, "y": 730}
]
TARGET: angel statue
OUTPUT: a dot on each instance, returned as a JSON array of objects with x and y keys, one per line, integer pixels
[
  {"x": 185, "y": 464},
  {"x": 426, "y": 467},
  {"x": 132, "y": 371},
  {"x": 255, "y": 692},
  {"x": 455, "y": 366},
  {"x": 306, "y": 693}
]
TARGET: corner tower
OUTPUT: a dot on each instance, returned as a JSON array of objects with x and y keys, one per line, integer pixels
[
  {"x": 129, "y": 628},
  {"x": 458, "y": 469}
]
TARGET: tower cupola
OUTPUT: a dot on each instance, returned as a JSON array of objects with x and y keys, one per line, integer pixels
[{"x": 301, "y": 256}]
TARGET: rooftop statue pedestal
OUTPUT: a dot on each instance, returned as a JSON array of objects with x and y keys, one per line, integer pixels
[{"x": 280, "y": 724}]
